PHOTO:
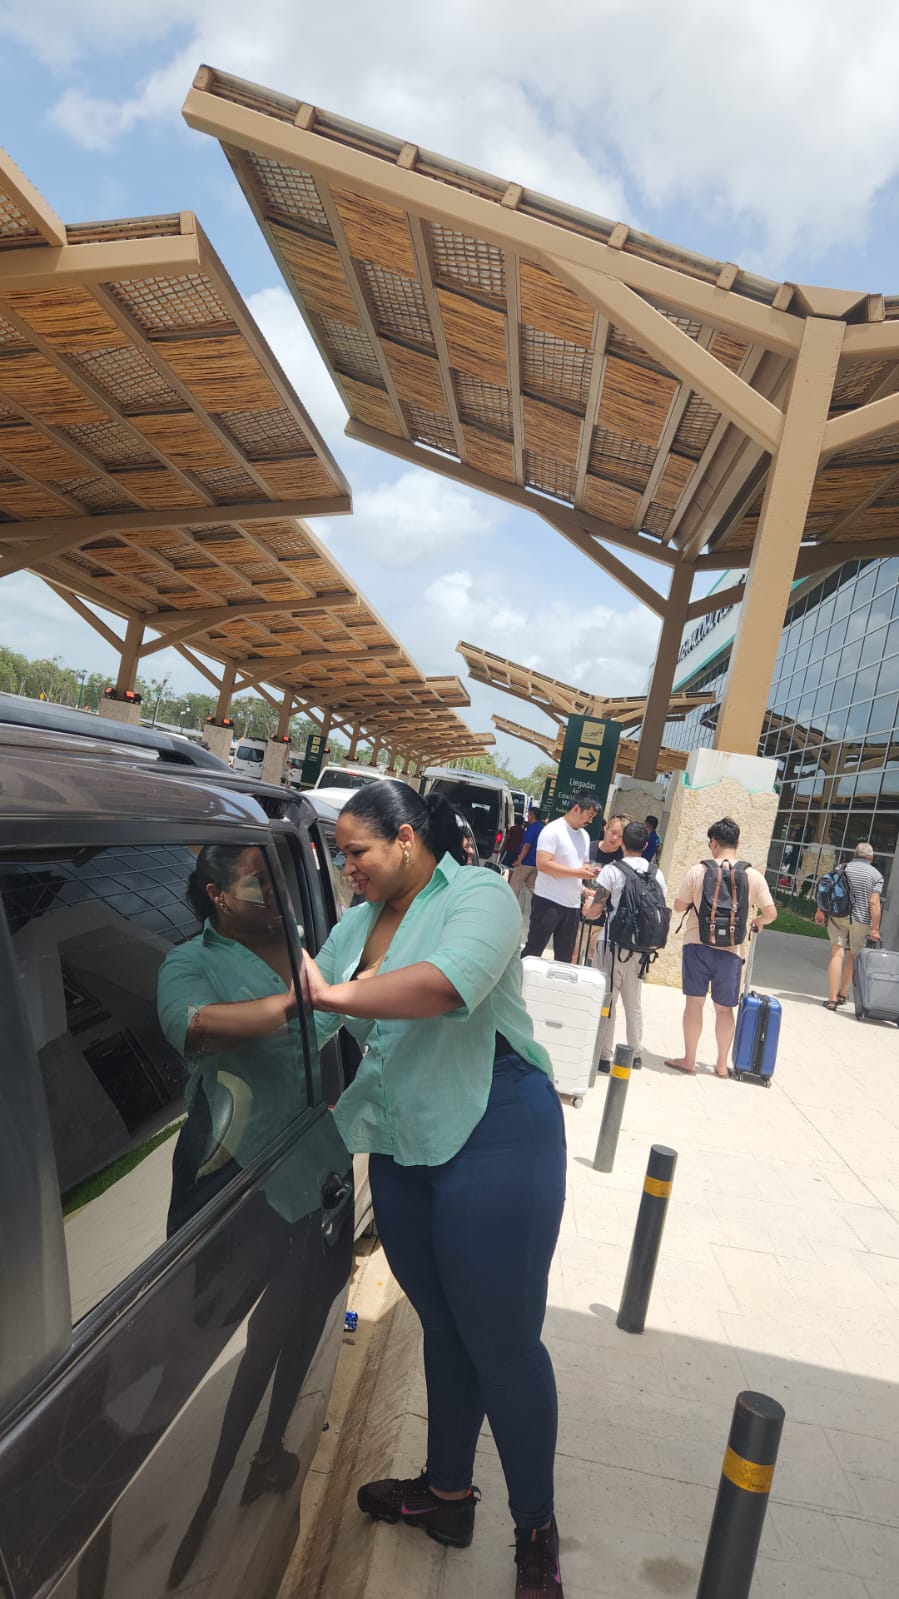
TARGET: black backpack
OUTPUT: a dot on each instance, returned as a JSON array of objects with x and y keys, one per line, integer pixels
[
  {"x": 723, "y": 909},
  {"x": 833, "y": 893},
  {"x": 641, "y": 922}
]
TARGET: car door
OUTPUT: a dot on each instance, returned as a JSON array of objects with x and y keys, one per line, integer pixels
[{"x": 181, "y": 1272}]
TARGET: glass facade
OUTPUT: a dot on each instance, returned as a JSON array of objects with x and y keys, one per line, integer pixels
[{"x": 831, "y": 724}]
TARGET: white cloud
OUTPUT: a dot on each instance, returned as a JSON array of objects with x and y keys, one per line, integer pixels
[
  {"x": 783, "y": 118},
  {"x": 418, "y": 517}
]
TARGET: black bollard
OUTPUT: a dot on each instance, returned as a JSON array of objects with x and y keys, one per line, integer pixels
[
  {"x": 641, "y": 1268},
  {"x": 613, "y": 1109},
  {"x": 739, "y": 1513}
]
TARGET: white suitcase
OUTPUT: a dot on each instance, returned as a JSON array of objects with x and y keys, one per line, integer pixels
[{"x": 566, "y": 1005}]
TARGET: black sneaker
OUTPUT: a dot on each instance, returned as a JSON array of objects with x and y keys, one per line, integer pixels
[
  {"x": 270, "y": 1474},
  {"x": 636, "y": 1063},
  {"x": 409, "y": 1499},
  {"x": 537, "y": 1559},
  {"x": 604, "y": 1066}
]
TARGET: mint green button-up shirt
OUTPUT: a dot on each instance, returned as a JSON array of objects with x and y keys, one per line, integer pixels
[{"x": 422, "y": 1086}]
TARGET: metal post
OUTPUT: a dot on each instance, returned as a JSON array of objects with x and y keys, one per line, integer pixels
[
  {"x": 739, "y": 1513},
  {"x": 641, "y": 1268},
  {"x": 613, "y": 1110}
]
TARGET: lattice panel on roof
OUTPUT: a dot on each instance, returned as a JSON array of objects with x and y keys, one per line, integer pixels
[
  {"x": 656, "y": 518},
  {"x": 21, "y": 501},
  {"x": 430, "y": 429},
  {"x": 853, "y": 382},
  {"x": 130, "y": 380},
  {"x": 620, "y": 459},
  {"x": 351, "y": 349},
  {"x": 160, "y": 304},
  {"x": 687, "y": 324},
  {"x": 265, "y": 434},
  {"x": 14, "y": 224},
  {"x": 83, "y": 563},
  {"x": 621, "y": 343},
  {"x": 109, "y": 443},
  {"x": 549, "y": 476},
  {"x": 288, "y": 191},
  {"x": 555, "y": 366},
  {"x": 696, "y": 427},
  {"x": 229, "y": 483},
  {"x": 10, "y": 335},
  {"x": 95, "y": 494},
  {"x": 399, "y": 303},
  {"x": 467, "y": 263},
  {"x": 483, "y": 403}
]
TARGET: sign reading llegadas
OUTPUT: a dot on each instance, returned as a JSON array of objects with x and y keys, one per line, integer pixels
[{"x": 587, "y": 763}]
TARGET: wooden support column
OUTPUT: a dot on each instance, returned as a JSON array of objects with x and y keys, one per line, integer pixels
[
  {"x": 646, "y": 765},
  {"x": 354, "y": 743},
  {"x": 777, "y": 541},
  {"x": 284, "y": 715},
  {"x": 129, "y": 657},
  {"x": 327, "y": 719},
  {"x": 226, "y": 691}
]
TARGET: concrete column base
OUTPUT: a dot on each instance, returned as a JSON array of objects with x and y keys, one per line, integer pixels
[
  {"x": 637, "y": 797},
  {"x": 715, "y": 784},
  {"x": 218, "y": 740},
  {"x": 274, "y": 761},
  {"x": 120, "y": 711}
]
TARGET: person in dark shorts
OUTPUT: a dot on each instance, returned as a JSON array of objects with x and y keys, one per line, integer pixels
[{"x": 718, "y": 968}]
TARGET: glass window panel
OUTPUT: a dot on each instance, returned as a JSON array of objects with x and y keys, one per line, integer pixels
[
  {"x": 891, "y": 646},
  {"x": 843, "y": 599},
  {"x": 856, "y": 625},
  {"x": 883, "y": 714},
  {"x": 825, "y": 614},
  {"x": 884, "y": 835},
  {"x": 823, "y": 700},
  {"x": 808, "y": 625},
  {"x": 147, "y": 1126},
  {"x": 836, "y": 635},
  {"x": 874, "y": 646},
  {"x": 864, "y": 584},
  {"x": 887, "y": 577},
  {"x": 879, "y": 614},
  {"x": 850, "y": 655},
  {"x": 819, "y": 644},
  {"x": 802, "y": 655},
  {"x": 812, "y": 675},
  {"x": 889, "y": 788},
  {"x": 857, "y": 720},
  {"x": 895, "y": 606},
  {"x": 865, "y": 683}
]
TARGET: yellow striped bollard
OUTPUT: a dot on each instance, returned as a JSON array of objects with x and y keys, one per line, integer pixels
[
  {"x": 613, "y": 1109},
  {"x": 641, "y": 1268},
  {"x": 739, "y": 1513}
]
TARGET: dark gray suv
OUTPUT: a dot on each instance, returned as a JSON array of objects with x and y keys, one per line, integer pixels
[{"x": 176, "y": 1207}]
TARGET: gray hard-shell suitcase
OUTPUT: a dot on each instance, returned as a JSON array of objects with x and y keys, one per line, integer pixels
[{"x": 875, "y": 985}]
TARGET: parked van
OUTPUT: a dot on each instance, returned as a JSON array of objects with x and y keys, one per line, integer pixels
[
  {"x": 348, "y": 776},
  {"x": 486, "y": 803},
  {"x": 176, "y": 1225},
  {"x": 520, "y": 803},
  {"x": 249, "y": 756}
]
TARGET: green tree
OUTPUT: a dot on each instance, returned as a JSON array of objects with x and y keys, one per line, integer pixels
[{"x": 13, "y": 670}]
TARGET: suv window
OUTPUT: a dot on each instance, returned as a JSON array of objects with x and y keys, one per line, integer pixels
[
  {"x": 165, "y": 1070},
  {"x": 481, "y": 807},
  {"x": 247, "y": 752}
]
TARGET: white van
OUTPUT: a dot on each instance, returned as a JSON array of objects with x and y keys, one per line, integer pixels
[
  {"x": 249, "y": 756},
  {"x": 485, "y": 802},
  {"x": 348, "y": 776}
]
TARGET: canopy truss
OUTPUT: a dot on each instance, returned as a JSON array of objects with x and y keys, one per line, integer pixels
[
  {"x": 561, "y": 700},
  {"x": 154, "y": 460},
  {"x": 640, "y": 398},
  {"x": 669, "y": 760}
]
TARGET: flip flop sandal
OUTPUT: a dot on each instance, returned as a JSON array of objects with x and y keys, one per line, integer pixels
[{"x": 831, "y": 1004}]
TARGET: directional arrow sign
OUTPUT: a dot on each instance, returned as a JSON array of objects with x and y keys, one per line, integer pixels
[{"x": 587, "y": 763}]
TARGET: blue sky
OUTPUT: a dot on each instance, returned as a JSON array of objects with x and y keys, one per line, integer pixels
[{"x": 769, "y": 138}]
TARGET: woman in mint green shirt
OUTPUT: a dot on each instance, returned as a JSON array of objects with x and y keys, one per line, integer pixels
[{"x": 454, "y": 1103}]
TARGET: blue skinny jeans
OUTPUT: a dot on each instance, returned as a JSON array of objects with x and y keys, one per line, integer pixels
[{"x": 470, "y": 1243}]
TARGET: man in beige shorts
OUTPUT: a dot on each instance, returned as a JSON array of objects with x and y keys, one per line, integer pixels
[{"x": 849, "y": 934}]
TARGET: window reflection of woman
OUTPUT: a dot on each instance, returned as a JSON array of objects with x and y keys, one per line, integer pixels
[
  {"x": 226, "y": 1001},
  {"x": 454, "y": 1103}
]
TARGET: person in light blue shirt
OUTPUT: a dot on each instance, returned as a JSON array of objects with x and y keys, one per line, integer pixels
[{"x": 455, "y": 1104}]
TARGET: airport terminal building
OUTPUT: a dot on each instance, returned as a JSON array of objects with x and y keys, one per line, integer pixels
[{"x": 831, "y": 721}]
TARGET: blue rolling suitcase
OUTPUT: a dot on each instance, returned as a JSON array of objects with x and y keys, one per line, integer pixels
[{"x": 758, "y": 1031}]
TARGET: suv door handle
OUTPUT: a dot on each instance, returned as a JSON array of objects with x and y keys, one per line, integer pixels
[{"x": 336, "y": 1196}]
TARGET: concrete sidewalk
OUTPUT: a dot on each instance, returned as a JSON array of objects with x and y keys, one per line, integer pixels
[{"x": 779, "y": 1272}]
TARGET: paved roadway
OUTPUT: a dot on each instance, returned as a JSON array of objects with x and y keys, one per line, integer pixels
[{"x": 779, "y": 1271}]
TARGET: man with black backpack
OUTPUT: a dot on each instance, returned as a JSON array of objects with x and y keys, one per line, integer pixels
[
  {"x": 636, "y": 929},
  {"x": 719, "y": 896}
]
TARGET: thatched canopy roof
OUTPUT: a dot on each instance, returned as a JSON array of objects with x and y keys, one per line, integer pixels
[
  {"x": 629, "y": 391},
  {"x": 155, "y": 459}
]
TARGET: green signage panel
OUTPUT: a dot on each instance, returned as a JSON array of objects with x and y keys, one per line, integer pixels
[
  {"x": 313, "y": 756},
  {"x": 546, "y": 798},
  {"x": 587, "y": 763}
]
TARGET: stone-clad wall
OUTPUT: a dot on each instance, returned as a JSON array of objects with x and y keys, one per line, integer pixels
[{"x": 686, "y": 841}]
